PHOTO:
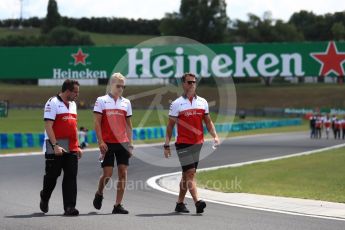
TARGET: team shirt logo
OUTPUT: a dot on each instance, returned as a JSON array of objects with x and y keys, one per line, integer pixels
[
  {"x": 65, "y": 121},
  {"x": 190, "y": 117},
  {"x": 114, "y": 114}
]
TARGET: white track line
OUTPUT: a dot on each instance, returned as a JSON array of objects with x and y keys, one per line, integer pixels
[{"x": 153, "y": 182}]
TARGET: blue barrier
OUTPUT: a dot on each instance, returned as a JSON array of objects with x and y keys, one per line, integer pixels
[{"x": 20, "y": 140}]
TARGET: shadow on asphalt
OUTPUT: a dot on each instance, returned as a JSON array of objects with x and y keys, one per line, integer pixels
[
  {"x": 166, "y": 214},
  {"x": 40, "y": 214}
]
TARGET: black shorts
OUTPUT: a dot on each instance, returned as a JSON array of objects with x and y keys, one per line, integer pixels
[
  {"x": 118, "y": 150},
  {"x": 188, "y": 155}
]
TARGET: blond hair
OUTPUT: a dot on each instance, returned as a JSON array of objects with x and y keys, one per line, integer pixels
[
  {"x": 113, "y": 79},
  {"x": 117, "y": 77}
]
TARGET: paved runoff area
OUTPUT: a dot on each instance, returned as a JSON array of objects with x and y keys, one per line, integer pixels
[{"x": 21, "y": 180}]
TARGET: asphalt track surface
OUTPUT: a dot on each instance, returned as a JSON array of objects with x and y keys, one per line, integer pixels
[{"x": 21, "y": 181}]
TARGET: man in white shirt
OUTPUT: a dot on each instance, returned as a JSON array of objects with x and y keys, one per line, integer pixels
[
  {"x": 113, "y": 128},
  {"x": 189, "y": 112}
]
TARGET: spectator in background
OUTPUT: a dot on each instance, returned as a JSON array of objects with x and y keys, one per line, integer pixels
[
  {"x": 337, "y": 129},
  {"x": 327, "y": 124},
  {"x": 334, "y": 117},
  {"x": 318, "y": 126},
  {"x": 312, "y": 126},
  {"x": 343, "y": 127},
  {"x": 82, "y": 137}
]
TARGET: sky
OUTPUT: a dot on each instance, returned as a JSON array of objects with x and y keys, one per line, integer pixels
[{"x": 150, "y": 9}]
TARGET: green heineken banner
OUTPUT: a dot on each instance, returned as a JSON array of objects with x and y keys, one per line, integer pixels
[{"x": 168, "y": 61}]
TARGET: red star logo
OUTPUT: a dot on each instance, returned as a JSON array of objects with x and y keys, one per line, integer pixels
[
  {"x": 80, "y": 57},
  {"x": 331, "y": 61}
]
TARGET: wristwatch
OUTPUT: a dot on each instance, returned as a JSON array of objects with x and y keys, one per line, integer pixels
[
  {"x": 53, "y": 145},
  {"x": 166, "y": 146}
]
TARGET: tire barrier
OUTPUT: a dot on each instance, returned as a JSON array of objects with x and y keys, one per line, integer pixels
[{"x": 25, "y": 140}]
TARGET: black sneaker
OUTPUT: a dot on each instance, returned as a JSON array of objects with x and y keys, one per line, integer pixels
[
  {"x": 181, "y": 207},
  {"x": 119, "y": 209},
  {"x": 71, "y": 212},
  {"x": 200, "y": 206},
  {"x": 43, "y": 204},
  {"x": 97, "y": 201}
]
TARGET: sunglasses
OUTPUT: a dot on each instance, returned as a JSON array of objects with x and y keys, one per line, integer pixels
[
  {"x": 191, "y": 82},
  {"x": 121, "y": 86}
]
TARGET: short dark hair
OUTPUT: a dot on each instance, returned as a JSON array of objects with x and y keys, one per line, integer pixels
[
  {"x": 187, "y": 75},
  {"x": 69, "y": 85}
]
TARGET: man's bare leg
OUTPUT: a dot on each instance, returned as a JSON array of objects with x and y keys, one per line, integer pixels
[
  {"x": 183, "y": 188},
  {"x": 104, "y": 179},
  {"x": 191, "y": 183},
  {"x": 121, "y": 184}
]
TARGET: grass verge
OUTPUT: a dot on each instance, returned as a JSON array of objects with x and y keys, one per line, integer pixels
[
  {"x": 318, "y": 176},
  {"x": 31, "y": 120}
]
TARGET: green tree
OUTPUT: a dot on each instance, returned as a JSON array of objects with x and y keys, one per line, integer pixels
[
  {"x": 338, "y": 31},
  {"x": 53, "y": 17},
  {"x": 63, "y": 36},
  {"x": 263, "y": 29},
  {"x": 203, "y": 20},
  {"x": 284, "y": 32},
  {"x": 312, "y": 26}
]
